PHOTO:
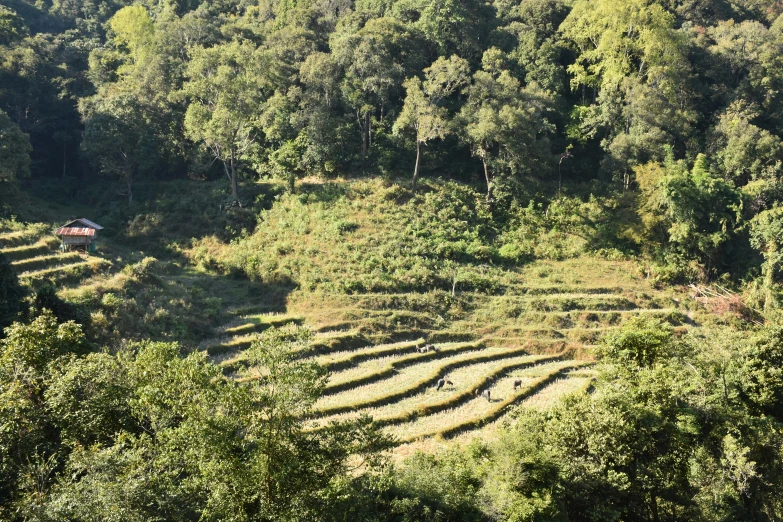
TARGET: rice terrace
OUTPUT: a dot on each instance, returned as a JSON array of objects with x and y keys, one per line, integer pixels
[
  {"x": 541, "y": 332},
  {"x": 527, "y": 343}
]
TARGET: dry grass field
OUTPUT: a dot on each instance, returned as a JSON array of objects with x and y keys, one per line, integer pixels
[{"x": 541, "y": 332}]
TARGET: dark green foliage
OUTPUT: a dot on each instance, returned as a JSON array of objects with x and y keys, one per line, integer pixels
[
  {"x": 46, "y": 298},
  {"x": 153, "y": 435},
  {"x": 11, "y": 294},
  {"x": 642, "y": 343},
  {"x": 762, "y": 360},
  {"x": 436, "y": 488}
]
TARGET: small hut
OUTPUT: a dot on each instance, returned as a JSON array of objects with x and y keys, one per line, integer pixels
[{"x": 79, "y": 234}]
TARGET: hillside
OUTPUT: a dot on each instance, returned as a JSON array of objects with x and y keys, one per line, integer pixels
[
  {"x": 391, "y": 260},
  {"x": 312, "y": 318},
  {"x": 376, "y": 272}
]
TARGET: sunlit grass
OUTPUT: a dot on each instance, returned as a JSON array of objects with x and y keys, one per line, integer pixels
[
  {"x": 550, "y": 395},
  {"x": 475, "y": 408},
  {"x": 400, "y": 381},
  {"x": 464, "y": 378}
]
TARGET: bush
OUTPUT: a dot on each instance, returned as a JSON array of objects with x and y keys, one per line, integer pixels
[
  {"x": 143, "y": 271},
  {"x": 514, "y": 253},
  {"x": 642, "y": 342},
  {"x": 46, "y": 298}
]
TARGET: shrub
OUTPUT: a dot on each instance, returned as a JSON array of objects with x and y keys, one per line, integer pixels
[
  {"x": 642, "y": 342},
  {"x": 143, "y": 271},
  {"x": 514, "y": 253}
]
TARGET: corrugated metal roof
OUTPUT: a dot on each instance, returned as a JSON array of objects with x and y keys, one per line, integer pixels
[
  {"x": 75, "y": 231},
  {"x": 84, "y": 221}
]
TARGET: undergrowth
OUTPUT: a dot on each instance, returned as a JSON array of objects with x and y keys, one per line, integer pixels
[{"x": 378, "y": 236}]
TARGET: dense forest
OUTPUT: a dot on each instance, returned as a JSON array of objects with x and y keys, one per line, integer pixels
[
  {"x": 675, "y": 107},
  {"x": 428, "y": 147}
]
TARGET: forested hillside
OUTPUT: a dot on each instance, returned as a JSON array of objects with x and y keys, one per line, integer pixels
[
  {"x": 676, "y": 106},
  {"x": 392, "y": 260}
]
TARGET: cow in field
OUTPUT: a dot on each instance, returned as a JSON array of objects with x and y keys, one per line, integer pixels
[
  {"x": 442, "y": 383},
  {"x": 487, "y": 395},
  {"x": 427, "y": 348},
  {"x": 517, "y": 384}
]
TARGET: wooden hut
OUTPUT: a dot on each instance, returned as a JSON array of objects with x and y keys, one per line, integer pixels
[{"x": 79, "y": 234}]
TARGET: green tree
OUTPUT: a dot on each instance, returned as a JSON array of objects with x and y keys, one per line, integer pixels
[
  {"x": 503, "y": 123},
  {"x": 743, "y": 151},
  {"x": 28, "y": 443},
  {"x": 149, "y": 433},
  {"x": 133, "y": 29},
  {"x": 761, "y": 382},
  {"x": 12, "y": 27},
  {"x": 618, "y": 40},
  {"x": 14, "y": 150},
  {"x": 641, "y": 343},
  {"x": 633, "y": 59},
  {"x": 117, "y": 137},
  {"x": 455, "y": 27},
  {"x": 11, "y": 294},
  {"x": 766, "y": 235},
  {"x": 422, "y": 111},
  {"x": 702, "y": 210},
  {"x": 372, "y": 59},
  {"x": 227, "y": 86}
]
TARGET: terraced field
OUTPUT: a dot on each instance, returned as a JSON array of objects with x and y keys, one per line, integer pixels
[
  {"x": 540, "y": 331},
  {"x": 34, "y": 254}
]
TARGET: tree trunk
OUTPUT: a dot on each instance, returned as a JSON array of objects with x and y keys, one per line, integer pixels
[
  {"x": 234, "y": 185},
  {"x": 365, "y": 134},
  {"x": 489, "y": 182},
  {"x": 416, "y": 168},
  {"x": 560, "y": 174},
  {"x": 129, "y": 181},
  {"x": 654, "y": 507}
]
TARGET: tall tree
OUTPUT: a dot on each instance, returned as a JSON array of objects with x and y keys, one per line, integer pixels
[
  {"x": 703, "y": 210},
  {"x": 12, "y": 27},
  {"x": 633, "y": 60},
  {"x": 422, "y": 111},
  {"x": 766, "y": 234},
  {"x": 11, "y": 294},
  {"x": 503, "y": 123},
  {"x": 227, "y": 86},
  {"x": 117, "y": 136},
  {"x": 372, "y": 58},
  {"x": 14, "y": 150}
]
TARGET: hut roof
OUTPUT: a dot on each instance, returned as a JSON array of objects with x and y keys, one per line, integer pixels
[
  {"x": 83, "y": 222},
  {"x": 75, "y": 231}
]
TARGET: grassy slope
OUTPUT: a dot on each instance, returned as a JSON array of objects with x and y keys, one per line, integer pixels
[{"x": 370, "y": 267}]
